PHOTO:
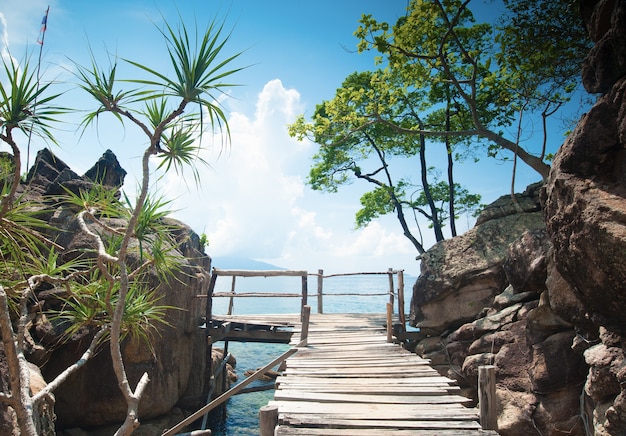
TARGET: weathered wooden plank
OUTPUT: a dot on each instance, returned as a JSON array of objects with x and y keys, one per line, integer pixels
[
  {"x": 447, "y": 412},
  {"x": 361, "y": 363},
  {"x": 419, "y": 379},
  {"x": 359, "y": 372},
  {"x": 259, "y": 273},
  {"x": 372, "y": 352},
  {"x": 326, "y": 397},
  {"x": 278, "y": 320},
  {"x": 398, "y": 390},
  {"x": 372, "y": 348},
  {"x": 337, "y": 423},
  {"x": 339, "y": 340},
  {"x": 285, "y": 430},
  {"x": 344, "y": 356}
]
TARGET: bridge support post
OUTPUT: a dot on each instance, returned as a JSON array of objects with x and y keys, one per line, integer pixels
[
  {"x": 320, "y": 291},
  {"x": 487, "y": 401},
  {"x": 268, "y": 420}
]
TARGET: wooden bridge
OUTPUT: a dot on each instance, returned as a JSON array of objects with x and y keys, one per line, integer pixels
[{"x": 346, "y": 374}]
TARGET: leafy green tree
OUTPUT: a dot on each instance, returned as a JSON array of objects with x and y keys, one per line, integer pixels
[
  {"x": 356, "y": 145},
  {"x": 451, "y": 81},
  {"x": 528, "y": 63},
  {"x": 106, "y": 291}
]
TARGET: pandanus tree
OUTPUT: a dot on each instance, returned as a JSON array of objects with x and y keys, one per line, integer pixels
[{"x": 106, "y": 292}]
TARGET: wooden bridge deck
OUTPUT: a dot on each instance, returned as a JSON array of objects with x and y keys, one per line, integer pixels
[{"x": 349, "y": 380}]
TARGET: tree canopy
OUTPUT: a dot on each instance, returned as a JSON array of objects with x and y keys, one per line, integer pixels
[{"x": 444, "y": 78}]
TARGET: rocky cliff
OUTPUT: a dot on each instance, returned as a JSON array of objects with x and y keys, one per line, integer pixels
[
  {"x": 481, "y": 300},
  {"x": 176, "y": 360},
  {"x": 541, "y": 294},
  {"x": 585, "y": 211}
]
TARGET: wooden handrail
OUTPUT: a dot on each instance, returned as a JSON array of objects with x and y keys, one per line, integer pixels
[
  {"x": 233, "y": 391},
  {"x": 259, "y": 273},
  {"x": 234, "y": 273}
]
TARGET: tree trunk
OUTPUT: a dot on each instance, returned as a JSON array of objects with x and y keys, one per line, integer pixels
[
  {"x": 452, "y": 194},
  {"x": 427, "y": 193}
]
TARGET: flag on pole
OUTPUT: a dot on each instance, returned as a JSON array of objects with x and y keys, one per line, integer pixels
[{"x": 44, "y": 27}]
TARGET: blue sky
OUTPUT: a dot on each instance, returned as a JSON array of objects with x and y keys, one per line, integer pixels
[{"x": 253, "y": 201}]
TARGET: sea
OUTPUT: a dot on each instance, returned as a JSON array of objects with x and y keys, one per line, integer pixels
[{"x": 240, "y": 416}]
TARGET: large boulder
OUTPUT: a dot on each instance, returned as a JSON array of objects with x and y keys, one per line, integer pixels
[
  {"x": 50, "y": 176},
  {"x": 585, "y": 206},
  {"x": 539, "y": 374},
  {"x": 461, "y": 276},
  {"x": 175, "y": 360}
]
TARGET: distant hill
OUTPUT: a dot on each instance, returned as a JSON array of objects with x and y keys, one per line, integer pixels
[{"x": 233, "y": 262}]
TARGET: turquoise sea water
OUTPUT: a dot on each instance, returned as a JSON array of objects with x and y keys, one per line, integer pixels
[{"x": 240, "y": 417}]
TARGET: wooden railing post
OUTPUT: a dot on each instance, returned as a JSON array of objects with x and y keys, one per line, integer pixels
[
  {"x": 320, "y": 290},
  {"x": 232, "y": 297},
  {"x": 208, "y": 328},
  {"x": 304, "y": 332},
  {"x": 487, "y": 397},
  {"x": 305, "y": 292},
  {"x": 268, "y": 420},
  {"x": 389, "y": 322},
  {"x": 401, "y": 300},
  {"x": 391, "y": 290}
]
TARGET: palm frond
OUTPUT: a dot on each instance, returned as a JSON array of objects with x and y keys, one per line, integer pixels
[
  {"x": 198, "y": 73},
  {"x": 25, "y": 103}
]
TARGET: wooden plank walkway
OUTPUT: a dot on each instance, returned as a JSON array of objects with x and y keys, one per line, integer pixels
[{"x": 349, "y": 380}]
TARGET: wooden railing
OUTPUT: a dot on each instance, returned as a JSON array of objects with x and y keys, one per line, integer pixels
[
  {"x": 303, "y": 295},
  {"x": 304, "y": 291},
  {"x": 233, "y": 391}
]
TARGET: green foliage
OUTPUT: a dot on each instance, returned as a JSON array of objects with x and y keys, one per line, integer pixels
[
  {"x": 541, "y": 45},
  {"x": 443, "y": 78},
  {"x": 375, "y": 203},
  {"x": 24, "y": 103},
  {"x": 107, "y": 290},
  {"x": 465, "y": 202},
  {"x": 150, "y": 217},
  {"x": 198, "y": 71},
  {"x": 87, "y": 309},
  {"x": 100, "y": 84},
  {"x": 528, "y": 62},
  {"x": 22, "y": 244},
  {"x": 100, "y": 200},
  {"x": 204, "y": 241}
]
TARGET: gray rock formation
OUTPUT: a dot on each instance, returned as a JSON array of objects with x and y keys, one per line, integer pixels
[
  {"x": 539, "y": 375},
  {"x": 462, "y": 275},
  {"x": 176, "y": 363},
  {"x": 556, "y": 331}
]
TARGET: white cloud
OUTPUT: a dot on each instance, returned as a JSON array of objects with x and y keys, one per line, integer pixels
[{"x": 254, "y": 203}]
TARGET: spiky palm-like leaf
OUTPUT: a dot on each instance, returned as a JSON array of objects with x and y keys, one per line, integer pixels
[
  {"x": 101, "y": 84},
  {"x": 24, "y": 104},
  {"x": 87, "y": 309},
  {"x": 198, "y": 72}
]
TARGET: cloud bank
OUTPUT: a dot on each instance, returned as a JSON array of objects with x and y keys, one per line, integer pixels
[{"x": 254, "y": 202}]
